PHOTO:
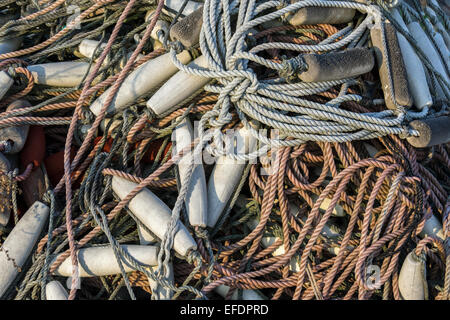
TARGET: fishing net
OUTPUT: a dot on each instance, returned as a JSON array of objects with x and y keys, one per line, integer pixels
[{"x": 329, "y": 204}]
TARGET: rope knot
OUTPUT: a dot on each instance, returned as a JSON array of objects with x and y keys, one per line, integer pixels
[
  {"x": 291, "y": 67},
  {"x": 405, "y": 133},
  {"x": 239, "y": 90},
  {"x": 176, "y": 45}
]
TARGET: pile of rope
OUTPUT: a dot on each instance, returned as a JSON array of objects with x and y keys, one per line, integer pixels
[{"x": 346, "y": 198}]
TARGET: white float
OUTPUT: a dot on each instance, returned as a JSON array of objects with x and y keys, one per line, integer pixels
[
  {"x": 87, "y": 48},
  {"x": 148, "y": 77},
  {"x": 226, "y": 175},
  {"x": 250, "y": 294},
  {"x": 54, "y": 290},
  {"x": 427, "y": 47},
  {"x": 101, "y": 261},
  {"x": 20, "y": 242},
  {"x": 173, "y": 6},
  {"x": 16, "y": 134},
  {"x": 5, "y": 83},
  {"x": 417, "y": 79},
  {"x": 178, "y": 89},
  {"x": 412, "y": 281},
  {"x": 164, "y": 293},
  {"x": 59, "y": 74},
  {"x": 433, "y": 228},
  {"x": 196, "y": 197},
  {"x": 154, "y": 214}
]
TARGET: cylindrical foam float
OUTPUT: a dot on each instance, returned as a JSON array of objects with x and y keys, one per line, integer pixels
[
  {"x": 196, "y": 199},
  {"x": 172, "y": 7},
  {"x": 337, "y": 65},
  {"x": 391, "y": 67},
  {"x": 12, "y": 44},
  {"x": 154, "y": 214},
  {"x": 59, "y": 74},
  {"x": 16, "y": 135},
  {"x": 141, "y": 81},
  {"x": 54, "y": 290},
  {"x": 417, "y": 79},
  {"x": 250, "y": 294},
  {"x": 161, "y": 25},
  {"x": 226, "y": 175},
  {"x": 164, "y": 293},
  {"x": 19, "y": 243},
  {"x": 101, "y": 261},
  {"x": 184, "y": 84},
  {"x": 428, "y": 48},
  {"x": 317, "y": 15},
  {"x": 412, "y": 281},
  {"x": 432, "y": 131},
  {"x": 187, "y": 30},
  {"x": 433, "y": 227},
  {"x": 5, "y": 83}
]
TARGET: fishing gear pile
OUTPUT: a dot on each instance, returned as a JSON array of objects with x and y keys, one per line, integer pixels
[{"x": 242, "y": 149}]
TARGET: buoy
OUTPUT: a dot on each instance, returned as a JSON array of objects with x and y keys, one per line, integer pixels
[
  {"x": 87, "y": 47},
  {"x": 412, "y": 281},
  {"x": 145, "y": 237},
  {"x": 19, "y": 243},
  {"x": 226, "y": 175},
  {"x": 196, "y": 197},
  {"x": 101, "y": 261},
  {"x": 432, "y": 131},
  {"x": 428, "y": 49},
  {"x": 141, "y": 81},
  {"x": 12, "y": 44},
  {"x": 391, "y": 67},
  {"x": 337, "y": 65},
  {"x": 338, "y": 211},
  {"x": 417, "y": 79},
  {"x": 15, "y": 135},
  {"x": 432, "y": 227},
  {"x": 250, "y": 294},
  {"x": 187, "y": 30},
  {"x": 5, "y": 83},
  {"x": 160, "y": 26},
  {"x": 172, "y": 7},
  {"x": 54, "y": 290},
  {"x": 439, "y": 27},
  {"x": 371, "y": 150},
  {"x": 184, "y": 84},
  {"x": 329, "y": 232},
  {"x": 317, "y": 15},
  {"x": 154, "y": 214},
  {"x": 59, "y": 74}
]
